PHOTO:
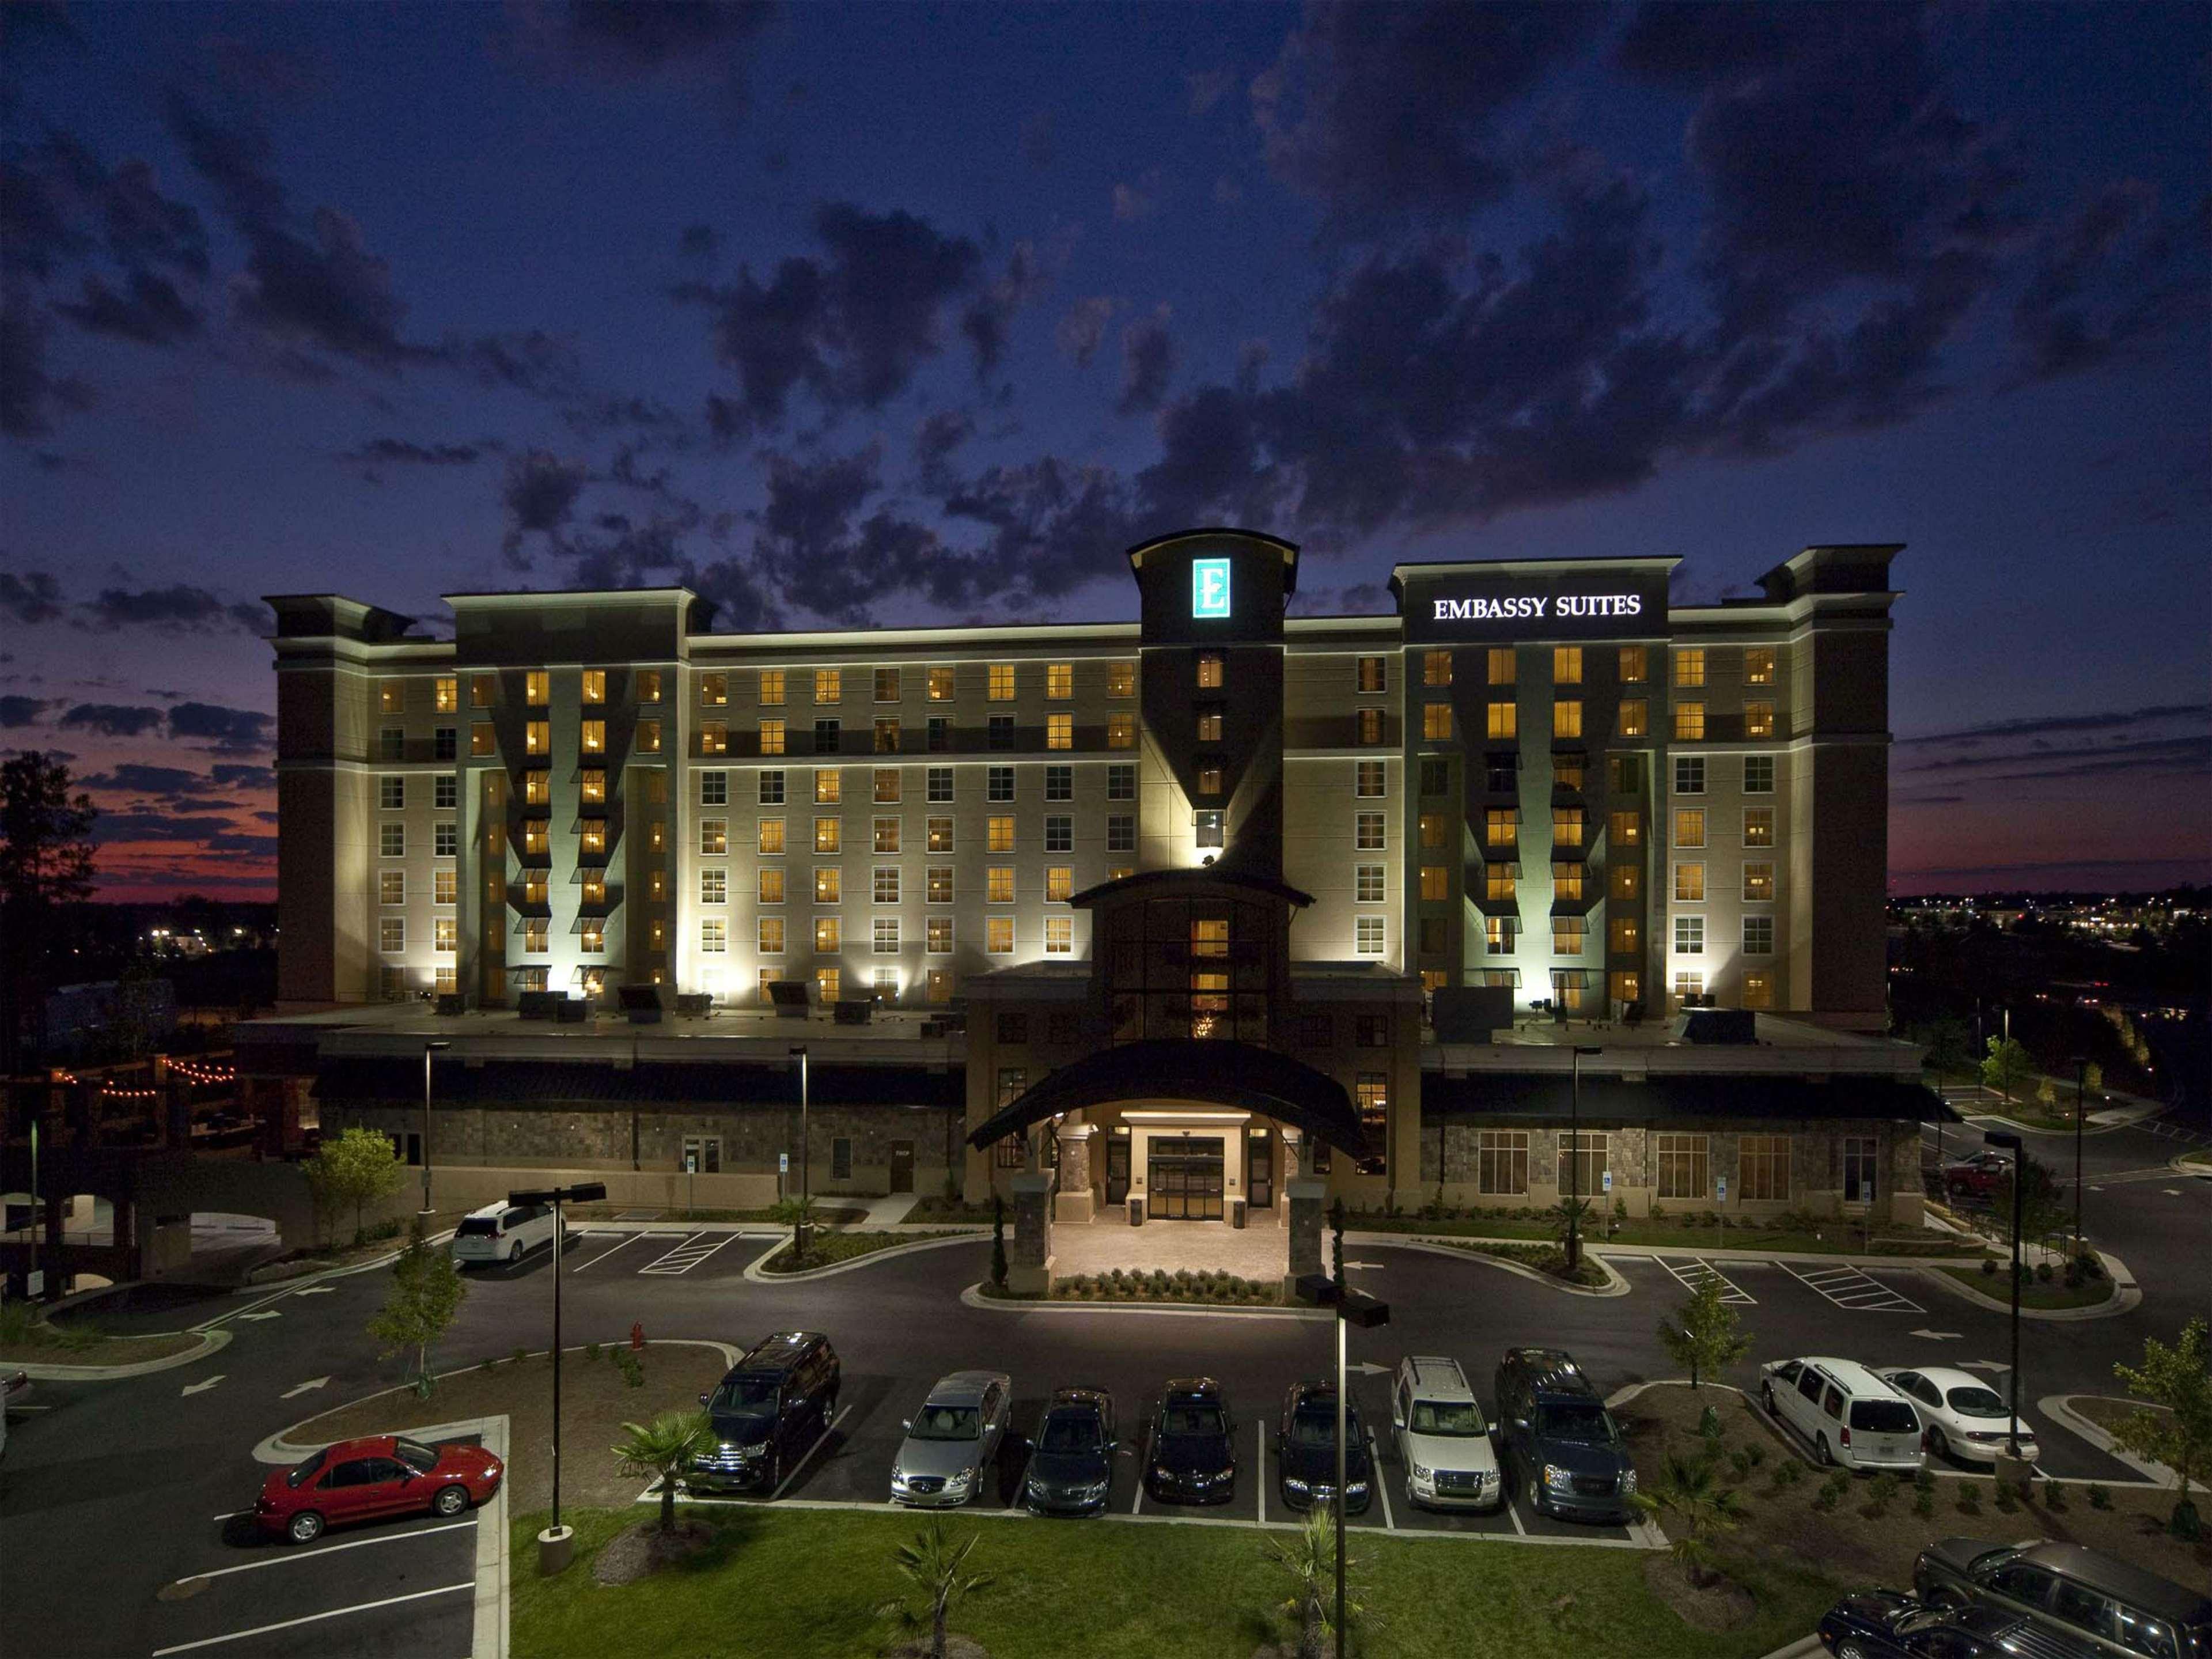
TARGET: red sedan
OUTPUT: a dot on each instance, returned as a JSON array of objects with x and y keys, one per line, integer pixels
[
  {"x": 1977, "y": 1176},
  {"x": 365, "y": 1480}
]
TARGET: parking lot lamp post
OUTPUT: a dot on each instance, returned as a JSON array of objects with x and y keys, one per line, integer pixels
[
  {"x": 1353, "y": 1308},
  {"x": 1574, "y": 1160},
  {"x": 2081, "y": 1091},
  {"x": 2008, "y": 1141},
  {"x": 805, "y": 1155},
  {"x": 429, "y": 1048},
  {"x": 555, "y": 1543}
]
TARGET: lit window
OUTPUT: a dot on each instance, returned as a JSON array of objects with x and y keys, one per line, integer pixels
[
  {"x": 1373, "y": 675},
  {"x": 936, "y": 938},
  {"x": 829, "y": 786},
  {"x": 1436, "y": 882},
  {"x": 1497, "y": 881},
  {"x": 1505, "y": 721},
  {"x": 769, "y": 837},
  {"x": 1689, "y": 982},
  {"x": 648, "y": 736},
  {"x": 769, "y": 884},
  {"x": 1497, "y": 934},
  {"x": 999, "y": 935},
  {"x": 594, "y": 685},
  {"x": 998, "y": 884},
  {"x": 1566, "y": 664},
  {"x": 883, "y": 936},
  {"x": 829, "y": 685},
  {"x": 940, "y": 877},
  {"x": 1209, "y": 780},
  {"x": 771, "y": 737},
  {"x": 715, "y": 935},
  {"x": 591, "y": 787},
  {"x": 536, "y": 842},
  {"x": 1501, "y": 826},
  {"x": 1626, "y": 985},
  {"x": 649, "y": 685},
  {"x": 1568, "y": 823},
  {"x": 1567, "y": 718},
  {"x": 538, "y": 687},
  {"x": 1370, "y": 936},
  {"x": 1689, "y": 936},
  {"x": 829, "y": 935},
  {"x": 941, "y": 684},
  {"x": 534, "y": 888},
  {"x": 592, "y": 839},
  {"x": 1759, "y": 882},
  {"x": 1567, "y": 880},
  {"x": 999, "y": 835},
  {"x": 1059, "y": 935},
  {"x": 1060, "y": 680},
  {"x": 1208, "y": 828},
  {"x": 1436, "y": 668},
  {"x": 767, "y": 935},
  {"x": 1690, "y": 667},
  {"x": 1367, "y": 831},
  {"x": 536, "y": 737},
  {"x": 937, "y": 836},
  {"x": 1634, "y": 717},
  {"x": 1059, "y": 883},
  {"x": 1567, "y": 936},
  {"x": 1758, "y": 826},
  {"x": 714, "y": 689},
  {"x": 483, "y": 690},
  {"x": 537, "y": 935},
  {"x": 446, "y": 693},
  {"x": 828, "y": 835},
  {"x": 1001, "y": 682},
  {"x": 1623, "y": 937},
  {"x": 1437, "y": 721},
  {"x": 483, "y": 740},
  {"x": 1120, "y": 731},
  {"x": 887, "y": 734},
  {"x": 828, "y": 985},
  {"x": 714, "y": 835},
  {"x": 1759, "y": 665},
  {"x": 1121, "y": 679},
  {"x": 714, "y": 884},
  {"x": 714, "y": 737},
  {"x": 1759, "y": 719},
  {"x": 1689, "y": 826},
  {"x": 537, "y": 788},
  {"x": 1759, "y": 775},
  {"x": 392, "y": 886},
  {"x": 1499, "y": 663},
  {"x": 1624, "y": 881},
  {"x": 1689, "y": 884},
  {"x": 1367, "y": 779},
  {"x": 1369, "y": 724},
  {"x": 1209, "y": 726},
  {"x": 1689, "y": 721},
  {"x": 886, "y": 834},
  {"x": 1758, "y": 993},
  {"x": 941, "y": 985},
  {"x": 1059, "y": 731}
]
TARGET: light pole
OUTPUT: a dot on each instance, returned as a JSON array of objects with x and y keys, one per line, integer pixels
[
  {"x": 2006, "y": 1141},
  {"x": 430, "y": 1045},
  {"x": 557, "y": 1541},
  {"x": 2081, "y": 1091},
  {"x": 1353, "y": 1308},
  {"x": 1575, "y": 1161},
  {"x": 800, "y": 1229}
]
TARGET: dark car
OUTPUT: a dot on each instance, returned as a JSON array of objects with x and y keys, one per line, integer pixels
[
  {"x": 768, "y": 1410},
  {"x": 2112, "y": 1605},
  {"x": 1559, "y": 1442},
  {"x": 1305, "y": 1450},
  {"x": 1071, "y": 1461},
  {"x": 1193, "y": 1457},
  {"x": 1886, "y": 1623}
]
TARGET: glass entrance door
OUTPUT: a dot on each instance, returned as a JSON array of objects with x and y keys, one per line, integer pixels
[
  {"x": 1186, "y": 1179},
  {"x": 1117, "y": 1167},
  {"x": 1259, "y": 1172}
]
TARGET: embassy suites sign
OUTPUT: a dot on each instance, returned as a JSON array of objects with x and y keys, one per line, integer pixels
[{"x": 1583, "y": 605}]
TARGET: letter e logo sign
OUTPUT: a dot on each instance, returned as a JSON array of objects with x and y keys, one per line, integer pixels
[{"x": 1209, "y": 588}]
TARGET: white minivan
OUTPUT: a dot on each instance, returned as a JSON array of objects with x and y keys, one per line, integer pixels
[
  {"x": 502, "y": 1232},
  {"x": 1850, "y": 1416}
]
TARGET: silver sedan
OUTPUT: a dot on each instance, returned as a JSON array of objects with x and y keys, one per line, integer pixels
[{"x": 952, "y": 1443}]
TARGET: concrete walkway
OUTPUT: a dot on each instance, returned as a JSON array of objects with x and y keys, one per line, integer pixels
[
  {"x": 888, "y": 1212},
  {"x": 1257, "y": 1252}
]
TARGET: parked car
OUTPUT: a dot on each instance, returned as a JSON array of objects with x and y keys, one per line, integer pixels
[
  {"x": 1305, "y": 1450},
  {"x": 953, "y": 1442},
  {"x": 368, "y": 1480},
  {"x": 768, "y": 1410},
  {"x": 1886, "y": 1623},
  {"x": 1442, "y": 1440},
  {"x": 1562, "y": 1446},
  {"x": 1193, "y": 1455},
  {"x": 14, "y": 1389},
  {"x": 502, "y": 1232},
  {"x": 2113, "y": 1605},
  {"x": 1977, "y": 1175},
  {"x": 1847, "y": 1414},
  {"x": 1071, "y": 1463},
  {"x": 1964, "y": 1416}
]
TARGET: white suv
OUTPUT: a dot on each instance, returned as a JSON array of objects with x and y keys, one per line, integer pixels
[
  {"x": 1849, "y": 1415},
  {"x": 502, "y": 1232},
  {"x": 1442, "y": 1438}
]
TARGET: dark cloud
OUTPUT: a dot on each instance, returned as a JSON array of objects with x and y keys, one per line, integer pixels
[
  {"x": 228, "y": 731},
  {"x": 699, "y": 243},
  {"x": 236, "y": 842},
  {"x": 1389, "y": 113},
  {"x": 178, "y": 607},
  {"x": 157, "y": 826},
  {"x": 30, "y": 398},
  {"x": 708, "y": 42},
  {"x": 543, "y": 364},
  {"x": 33, "y": 598},
  {"x": 112, "y": 720},
  {"x": 2044, "y": 725},
  {"x": 941, "y": 433},
  {"x": 403, "y": 452},
  {"x": 1137, "y": 201},
  {"x": 540, "y": 493},
  {"x": 1206, "y": 88},
  {"x": 2108, "y": 279},
  {"x": 146, "y": 780},
  {"x": 152, "y": 313},
  {"x": 2188, "y": 754},
  {"x": 1082, "y": 329},
  {"x": 59, "y": 202},
  {"x": 16, "y": 712},
  {"x": 230, "y": 776},
  {"x": 991, "y": 312},
  {"x": 1147, "y": 363}
]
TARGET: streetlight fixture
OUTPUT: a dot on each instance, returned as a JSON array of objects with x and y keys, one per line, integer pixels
[
  {"x": 2006, "y": 1141},
  {"x": 430, "y": 1045},
  {"x": 2080, "y": 1093},
  {"x": 1574, "y": 1162},
  {"x": 1368, "y": 1313},
  {"x": 556, "y": 1542},
  {"x": 800, "y": 1227}
]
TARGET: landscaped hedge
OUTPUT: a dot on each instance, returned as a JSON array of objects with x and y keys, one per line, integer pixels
[{"x": 1211, "y": 1287}]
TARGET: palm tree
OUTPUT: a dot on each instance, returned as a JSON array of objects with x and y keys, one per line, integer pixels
[
  {"x": 1308, "y": 1555},
  {"x": 1691, "y": 1491},
  {"x": 662, "y": 1449},
  {"x": 935, "y": 1564}
]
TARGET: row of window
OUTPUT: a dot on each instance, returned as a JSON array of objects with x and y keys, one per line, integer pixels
[
  {"x": 887, "y": 885},
  {"x": 1758, "y": 936},
  {"x": 1682, "y": 1164},
  {"x": 1758, "y": 882},
  {"x": 885, "y": 936},
  {"x": 1690, "y": 771},
  {"x": 888, "y": 785},
  {"x": 888, "y": 735},
  {"x": 886, "y": 834},
  {"x": 1002, "y": 683},
  {"x": 1502, "y": 720}
]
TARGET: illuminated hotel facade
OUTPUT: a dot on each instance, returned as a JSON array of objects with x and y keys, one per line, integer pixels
[{"x": 1536, "y": 779}]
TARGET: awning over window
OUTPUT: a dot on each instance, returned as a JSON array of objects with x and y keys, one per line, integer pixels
[{"x": 1236, "y": 1074}]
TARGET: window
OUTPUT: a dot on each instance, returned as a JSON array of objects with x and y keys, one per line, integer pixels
[
  {"x": 1685, "y": 1168},
  {"x": 535, "y": 843},
  {"x": 649, "y": 685},
  {"x": 1626, "y": 985},
  {"x": 1568, "y": 936},
  {"x": 1120, "y": 731},
  {"x": 940, "y": 735},
  {"x": 1000, "y": 735},
  {"x": 648, "y": 736},
  {"x": 1370, "y": 936},
  {"x": 1582, "y": 1161},
  {"x": 828, "y": 835},
  {"x": 771, "y": 738},
  {"x": 714, "y": 688},
  {"x": 1635, "y": 664},
  {"x": 768, "y": 935},
  {"x": 1437, "y": 721},
  {"x": 714, "y": 884},
  {"x": 1058, "y": 935},
  {"x": 1371, "y": 1093},
  {"x": 1759, "y": 882},
  {"x": 1566, "y": 664},
  {"x": 887, "y": 785},
  {"x": 1501, "y": 826},
  {"x": 997, "y": 783},
  {"x": 1690, "y": 666},
  {"x": 1059, "y": 731},
  {"x": 591, "y": 737},
  {"x": 1862, "y": 1166},
  {"x": 940, "y": 685},
  {"x": 1367, "y": 883},
  {"x": 537, "y": 935},
  {"x": 391, "y": 793},
  {"x": 1001, "y": 682},
  {"x": 1634, "y": 718},
  {"x": 1623, "y": 937},
  {"x": 828, "y": 685},
  {"x": 1758, "y": 935},
  {"x": 937, "y": 936},
  {"x": 714, "y": 787},
  {"x": 536, "y": 789},
  {"x": 483, "y": 739},
  {"x": 1497, "y": 881},
  {"x": 771, "y": 788},
  {"x": 1501, "y": 777},
  {"x": 1316, "y": 1031},
  {"x": 392, "y": 934},
  {"x": 1501, "y": 1162},
  {"x": 999, "y": 835},
  {"x": 1367, "y": 726},
  {"x": 534, "y": 888},
  {"x": 1689, "y": 775},
  {"x": 1121, "y": 679},
  {"x": 446, "y": 743},
  {"x": 884, "y": 935},
  {"x": 592, "y": 838},
  {"x": 1758, "y": 826},
  {"x": 887, "y": 685},
  {"x": 769, "y": 837},
  {"x": 1498, "y": 665},
  {"x": 714, "y": 737},
  {"x": 1436, "y": 777},
  {"x": 1374, "y": 675},
  {"x": 594, "y": 685},
  {"x": 1568, "y": 825},
  {"x": 939, "y": 985},
  {"x": 1758, "y": 719},
  {"x": 1759, "y": 665},
  {"x": 483, "y": 690},
  {"x": 444, "y": 840},
  {"x": 937, "y": 782},
  {"x": 391, "y": 840},
  {"x": 769, "y": 884},
  {"x": 392, "y": 886},
  {"x": 883, "y": 884},
  {"x": 1436, "y": 882},
  {"x": 938, "y": 883},
  {"x": 1209, "y": 780},
  {"x": 1567, "y": 882},
  {"x": 826, "y": 735},
  {"x": 1689, "y": 884},
  {"x": 1436, "y": 668},
  {"x": 828, "y": 985},
  {"x": 1762, "y": 1164},
  {"x": 1497, "y": 935},
  {"x": 446, "y": 791},
  {"x": 829, "y": 935},
  {"x": 887, "y": 734},
  {"x": 829, "y": 786},
  {"x": 714, "y": 936},
  {"x": 1759, "y": 775},
  {"x": 1626, "y": 830},
  {"x": 1567, "y": 773},
  {"x": 714, "y": 835},
  {"x": 1689, "y": 826},
  {"x": 1689, "y": 936},
  {"x": 1209, "y": 725},
  {"x": 1505, "y": 721},
  {"x": 1367, "y": 831},
  {"x": 937, "y": 834},
  {"x": 998, "y": 884},
  {"x": 1059, "y": 833},
  {"x": 1758, "y": 990},
  {"x": 1121, "y": 833},
  {"x": 998, "y": 936},
  {"x": 1689, "y": 722}
]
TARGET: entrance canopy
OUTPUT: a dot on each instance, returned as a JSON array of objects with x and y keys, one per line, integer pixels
[{"x": 1238, "y": 1074}]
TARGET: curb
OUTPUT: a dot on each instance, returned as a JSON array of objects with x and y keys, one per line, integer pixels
[
  {"x": 2126, "y": 1297},
  {"x": 754, "y": 1271},
  {"x": 2059, "y": 1407},
  {"x": 210, "y": 1342},
  {"x": 1803, "y": 1648},
  {"x": 973, "y": 1297},
  {"x": 1471, "y": 1250}
]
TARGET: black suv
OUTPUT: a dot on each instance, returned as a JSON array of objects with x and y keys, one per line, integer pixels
[
  {"x": 1193, "y": 1457},
  {"x": 1072, "y": 1462},
  {"x": 1886, "y": 1623},
  {"x": 1305, "y": 1450},
  {"x": 1559, "y": 1441},
  {"x": 767, "y": 1409},
  {"x": 2110, "y": 1605}
]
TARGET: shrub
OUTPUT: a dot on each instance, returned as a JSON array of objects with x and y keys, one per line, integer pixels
[
  {"x": 1740, "y": 1461},
  {"x": 2054, "y": 1496},
  {"x": 1788, "y": 1472},
  {"x": 1923, "y": 1500},
  {"x": 2043, "y": 1273},
  {"x": 1882, "y": 1495},
  {"x": 519, "y": 1355},
  {"x": 1988, "y": 1267},
  {"x": 1830, "y": 1490},
  {"x": 2008, "y": 1501},
  {"x": 592, "y": 1351},
  {"x": 632, "y": 1369},
  {"x": 2185, "y": 1524},
  {"x": 1970, "y": 1498},
  {"x": 2100, "y": 1497}
]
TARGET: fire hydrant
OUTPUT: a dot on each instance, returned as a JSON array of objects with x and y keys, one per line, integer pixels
[{"x": 637, "y": 1337}]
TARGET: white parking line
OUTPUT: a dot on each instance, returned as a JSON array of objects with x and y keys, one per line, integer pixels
[
  {"x": 688, "y": 1255},
  {"x": 1694, "y": 1275},
  {"x": 290, "y": 1556},
  {"x": 1382, "y": 1487},
  {"x": 315, "y": 1617},
  {"x": 628, "y": 1239},
  {"x": 1259, "y": 1469},
  {"x": 792, "y": 1473},
  {"x": 1513, "y": 1509},
  {"x": 1847, "y": 1287}
]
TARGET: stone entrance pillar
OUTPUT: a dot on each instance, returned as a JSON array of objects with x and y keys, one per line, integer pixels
[
  {"x": 1305, "y": 1197},
  {"x": 1076, "y": 1201},
  {"x": 1028, "y": 1252}
]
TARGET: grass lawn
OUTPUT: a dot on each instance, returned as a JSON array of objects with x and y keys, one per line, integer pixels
[
  {"x": 825, "y": 1215},
  {"x": 2108, "y": 1411},
  {"x": 825, "y": 1250},
  {"x": 1549, "y": 1259},
  {"x": 810, "y": 1585},
  {"x": 2033, "y": 1292},
  {"x": 87, "y": 1347},
  {"x": 951, "y": 1209},
  {"x": 1829, "y": 1238}
]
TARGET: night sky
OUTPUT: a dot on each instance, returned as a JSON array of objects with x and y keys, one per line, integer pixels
[{"x": 901, "y": 314}]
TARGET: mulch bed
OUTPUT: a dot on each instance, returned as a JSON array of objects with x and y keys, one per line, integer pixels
[
  {"x": 1722, "y": 1605},
  {"x": 638, "y": 1552}
]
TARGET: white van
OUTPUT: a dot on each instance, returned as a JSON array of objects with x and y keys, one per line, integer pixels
[
  {"x": 502, "y": 1232},
  {"x": 1850, "y": 1416}
]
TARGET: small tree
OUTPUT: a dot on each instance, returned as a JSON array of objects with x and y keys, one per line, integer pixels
[
  {"x": 2043, "y": 1208},
  {"x": 998, "y": 1241},
  {"x": 938, "y": 1568},
  {"x": 2179, "y": 1378},
  {"x": 1691, "y": 1489},
  {"x": 427, "y": 1291},
  {"x": 2007, "y": 1067},
  {"x": 1308, "y": 1556},
  {"x": 1707, "y": 1340},
  {"x": 46, "y": 867},
  {"x": 357, "y": 1167},
  {"x": 2047, "y": 1094},
  {"x": 1950, "y": 1046},
  {"x": 662, "y": 1449}
]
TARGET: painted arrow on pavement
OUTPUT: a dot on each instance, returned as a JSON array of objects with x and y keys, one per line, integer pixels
[
  {"x": 316, "y": 1382},
  {"x": 200, "y": 1388},
  {"x": 1937, "y": 1336},
  {"x": 1366, "y": 1369},
  {"x": 269, "y": 1313},
  {"x": 315, "y": 1290},
  {"x": 1984, "y": 1365},
  {"x": 1363, "y": 1264}
]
